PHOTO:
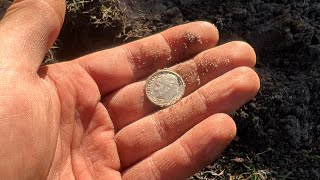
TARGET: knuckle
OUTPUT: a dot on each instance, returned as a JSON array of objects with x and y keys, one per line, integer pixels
[{"x": 52, "y": 10}]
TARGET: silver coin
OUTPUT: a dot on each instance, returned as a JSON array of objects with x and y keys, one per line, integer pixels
[{"x": 164, "y": 88}]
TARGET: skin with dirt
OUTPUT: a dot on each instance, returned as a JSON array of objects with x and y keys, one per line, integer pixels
[{"x": 278, "y": 131}]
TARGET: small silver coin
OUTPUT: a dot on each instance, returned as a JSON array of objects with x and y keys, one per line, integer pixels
[{"x": 165, "y": 88}]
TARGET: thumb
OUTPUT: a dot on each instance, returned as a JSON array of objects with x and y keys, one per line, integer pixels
[{"x": 27, "y": 31}]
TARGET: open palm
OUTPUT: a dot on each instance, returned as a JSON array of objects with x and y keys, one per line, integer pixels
[{"x": 90, "y": 119}]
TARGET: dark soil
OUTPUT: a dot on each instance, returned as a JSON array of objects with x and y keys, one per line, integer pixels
[{"x": 279, "y": 131}]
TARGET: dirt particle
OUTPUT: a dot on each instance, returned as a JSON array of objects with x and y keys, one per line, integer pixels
[{"x": 192, "y": 38}]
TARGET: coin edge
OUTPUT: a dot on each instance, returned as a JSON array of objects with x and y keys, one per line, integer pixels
[{"x": 170, "y": 102}]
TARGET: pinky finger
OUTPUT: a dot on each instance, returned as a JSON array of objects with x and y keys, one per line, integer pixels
[{"x": 197, "y": 148}]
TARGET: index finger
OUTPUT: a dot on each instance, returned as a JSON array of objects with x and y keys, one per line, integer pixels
[{"x": 117, "y": 67}]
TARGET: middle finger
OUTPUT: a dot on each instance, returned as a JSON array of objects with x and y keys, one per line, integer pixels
[{"x": 130, "y": 103}]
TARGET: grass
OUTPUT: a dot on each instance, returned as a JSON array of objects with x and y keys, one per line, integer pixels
[
  {"x": 108, "y": 14},
  {"x": 234, "y": 165},
  {"x": 250, "y": 172},
  {"x": 104, "y": 13},
  {"x": 254, "y": 174},
  {"x": 86, "y": 18},
  {"x": 76, "y": 5}
]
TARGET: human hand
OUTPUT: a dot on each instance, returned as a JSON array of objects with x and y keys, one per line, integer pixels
[{"x": 90, "y": 119}]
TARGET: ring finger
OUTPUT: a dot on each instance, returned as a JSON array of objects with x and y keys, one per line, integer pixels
[{"x": 222, "y": 95}]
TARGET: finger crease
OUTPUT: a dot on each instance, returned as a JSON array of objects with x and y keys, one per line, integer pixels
[
  {"x": 166, "y": 42},
  {"x": 127, "y": 52},
  {"x": 203, "y": 101},
  {"x": 154, "y": 169},
  {"x": 159, "y": 128},
  {"x": 186, "y": 150}
]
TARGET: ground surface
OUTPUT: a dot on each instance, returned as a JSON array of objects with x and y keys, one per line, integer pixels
[{"x": 279, "y": 131}]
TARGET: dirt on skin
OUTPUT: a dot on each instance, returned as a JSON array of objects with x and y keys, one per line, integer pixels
[{"x": 278, "y": 131}]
